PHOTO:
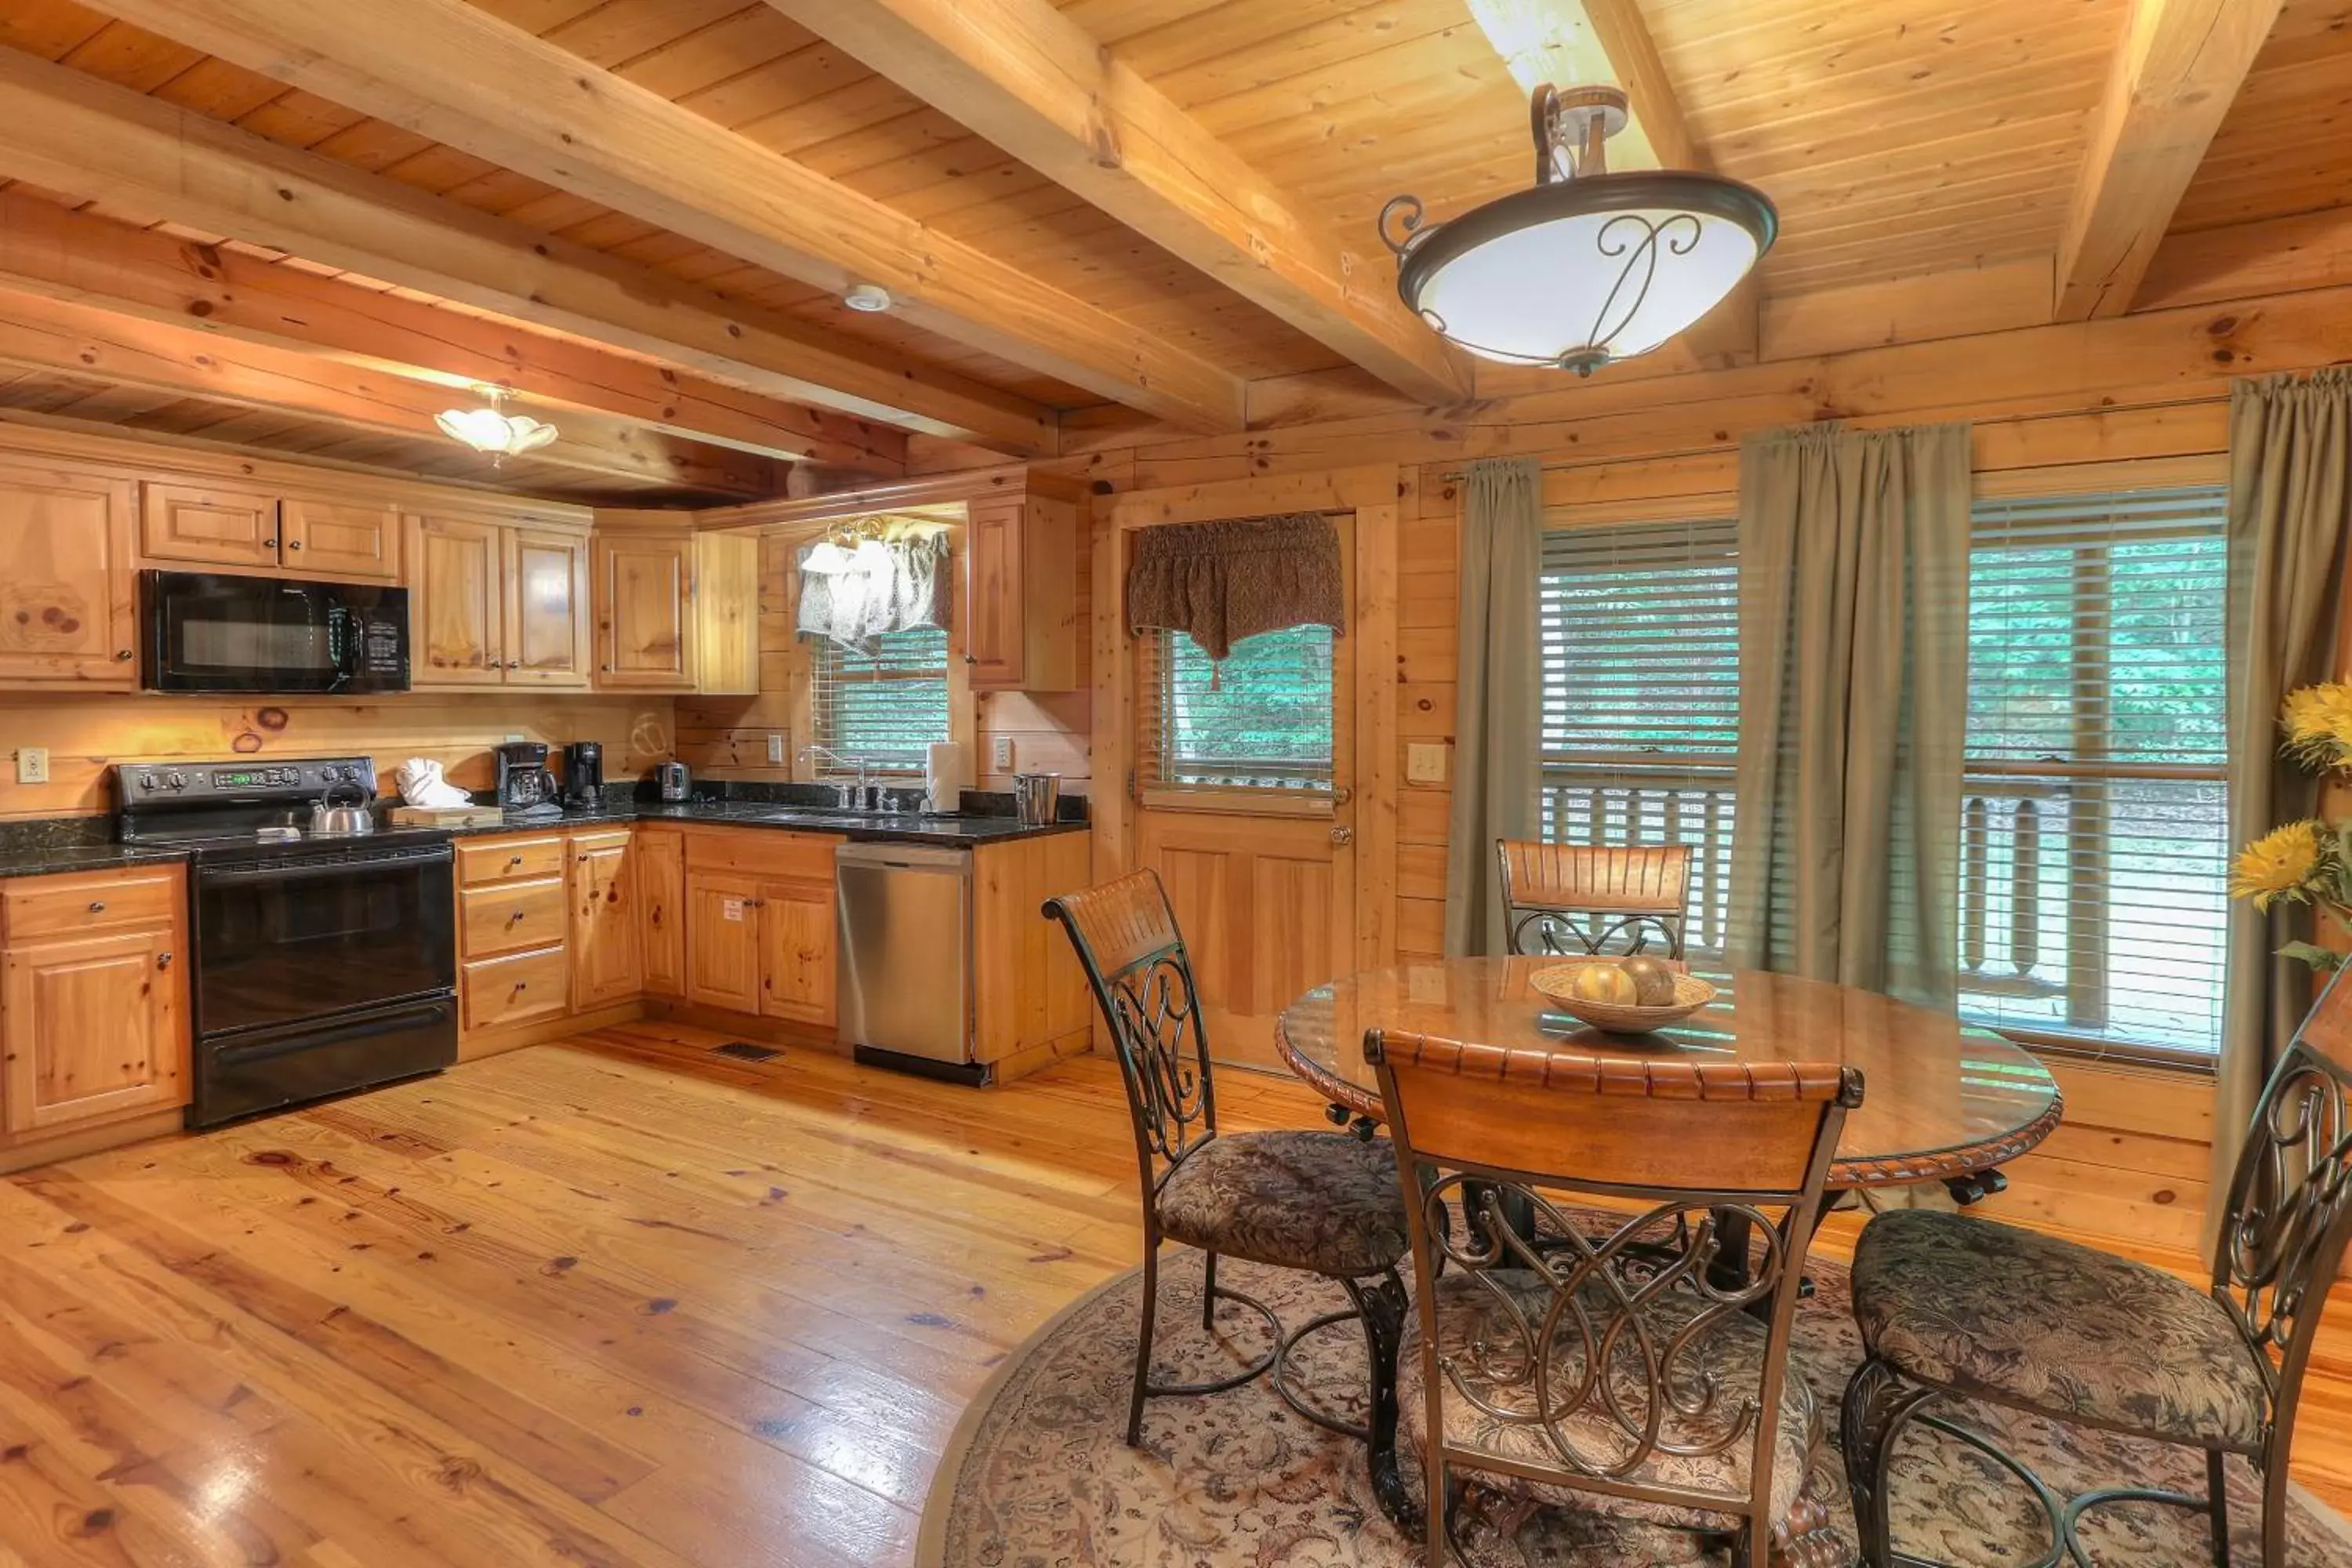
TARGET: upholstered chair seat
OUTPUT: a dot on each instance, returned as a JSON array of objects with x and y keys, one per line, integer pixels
[
  {"x": 1477, "y": 1336},
  {"x": 2023, "y": 1319},
  {"x": 1323, "y": 1202}
]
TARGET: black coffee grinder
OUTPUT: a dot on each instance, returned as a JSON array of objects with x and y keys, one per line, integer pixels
[
  {"x": 525, "y": 786},
  {"x": 583, "y": 772}
]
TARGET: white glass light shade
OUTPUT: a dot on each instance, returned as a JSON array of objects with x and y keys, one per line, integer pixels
[{"x": 488, "y": 430}]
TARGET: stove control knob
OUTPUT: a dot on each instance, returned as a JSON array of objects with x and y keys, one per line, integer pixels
[
  {"x": 146, "y": 781},
  {"x": 177, "y": 781}
]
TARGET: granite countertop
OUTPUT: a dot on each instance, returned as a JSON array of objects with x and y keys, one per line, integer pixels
[
  {"x": 951, "y": 832},
  {"x": 52, "y": 860}
]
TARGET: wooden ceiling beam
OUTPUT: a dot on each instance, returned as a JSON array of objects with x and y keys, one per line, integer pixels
[
  {"x": 446, "y": 69},
  {"x": 1581, "y": 42},
  {"x": 72, "y": 133},
  {"x": 2180, "y": 68},
  {"x": 1030, "y": 80},
  {"x": 81, "y": 257},
  {"x": 84, "y": 342}
]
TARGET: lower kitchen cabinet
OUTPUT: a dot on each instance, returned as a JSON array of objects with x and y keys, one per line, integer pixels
[
  {"x": 722, "y": 939},
  {"x": 761, "y": 929},
  {"x": 797, "y": 951},
  {"x": 607, "y": 965},
  {"x": 661, "y": 905}
]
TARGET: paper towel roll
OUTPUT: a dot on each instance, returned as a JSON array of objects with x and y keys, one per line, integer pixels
[{"x": 943, "y": 776}]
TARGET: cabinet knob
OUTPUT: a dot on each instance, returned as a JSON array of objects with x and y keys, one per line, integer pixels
[
  {"x": 293, "y": 544},
  {"x": 608, "y": 668},
  {"x": 514, "y": 917},
  {"x": 514, "y": 859},
  {"x": 121, "y": 653},
  {"x": 514, "y": 663},
  {"x": 522, "y": 984},
  {"x": 971, "y": 659},
  {"x": 163, "y": 961},
  {"x": 97, "y": 906}
]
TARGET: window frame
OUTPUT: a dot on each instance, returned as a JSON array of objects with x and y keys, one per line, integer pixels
[{"x": 815, "y": 651}]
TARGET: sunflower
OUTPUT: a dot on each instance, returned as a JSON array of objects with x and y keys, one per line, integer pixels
[
  {"x": 2318, "y": 723},
  {"x": 2281, "y": 863}
]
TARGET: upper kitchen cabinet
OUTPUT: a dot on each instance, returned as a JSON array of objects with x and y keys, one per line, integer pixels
[
  {"x": 1021, "y": 594},
  {"x": 68, "y": 587},
  {"x": 184, "y": 523},
  {"x": 497, "y": 603},
  {"x": 677, "y": 611}
]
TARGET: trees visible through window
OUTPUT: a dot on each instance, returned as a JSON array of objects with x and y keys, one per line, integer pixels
[
  {"x": 1263, "y": 719},
  {"x": 884, "y": 708}
]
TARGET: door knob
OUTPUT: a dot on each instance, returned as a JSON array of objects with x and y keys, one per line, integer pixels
[
  {"x": 1341, "y": 795},
  {"x": 1343, "y": 836}
]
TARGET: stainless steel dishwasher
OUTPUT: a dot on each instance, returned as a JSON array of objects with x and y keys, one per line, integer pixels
[{"x": 906, "y": 957}]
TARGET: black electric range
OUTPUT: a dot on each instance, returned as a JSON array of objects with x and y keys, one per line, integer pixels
[{"x": 322, "y": 963}]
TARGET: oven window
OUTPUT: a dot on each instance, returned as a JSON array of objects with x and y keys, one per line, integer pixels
[{"x": 297, "y": 940}]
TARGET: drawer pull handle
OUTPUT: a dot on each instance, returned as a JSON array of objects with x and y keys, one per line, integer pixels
[{"x": 97, "y": 906}]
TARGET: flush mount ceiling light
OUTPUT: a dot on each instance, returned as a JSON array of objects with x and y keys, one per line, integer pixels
[
  {"x": 493, "y": 430},
  {"x": 1588, "y": 267},
  {"x": 869, "y": 297}
]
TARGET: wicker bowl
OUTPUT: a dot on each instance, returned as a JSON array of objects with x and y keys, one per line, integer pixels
[{"x": 1691, "y": 994}]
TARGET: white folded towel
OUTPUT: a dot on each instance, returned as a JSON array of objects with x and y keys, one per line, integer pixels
[{"x": 421, "y": 783}]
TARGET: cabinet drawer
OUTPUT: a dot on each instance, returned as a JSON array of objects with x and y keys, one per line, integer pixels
[
  {"x": 763, "y": 852},
  {"x": 516, "y": 989},
  {"x": 89, "y": 905},
  {"x": 509, "y": 859},
  {"x": 510, "y": 917}
]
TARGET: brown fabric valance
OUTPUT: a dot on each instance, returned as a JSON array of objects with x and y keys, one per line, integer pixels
[{"x": 1222, "y": 582}]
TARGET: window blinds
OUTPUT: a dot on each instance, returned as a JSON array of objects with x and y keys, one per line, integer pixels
[
  {"x": 1262, "y": 719},
  {"x": 1639, "y": 627},
  {"x": 883, "y": 709},
  {"x": 2094, "y": 838}
]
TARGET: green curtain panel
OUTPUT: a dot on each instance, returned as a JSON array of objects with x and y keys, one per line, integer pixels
[
  {"x": 1853, "y": 571},
  {"x": 2289, "y": 448},
  {"x": 1496, "y": 714}
]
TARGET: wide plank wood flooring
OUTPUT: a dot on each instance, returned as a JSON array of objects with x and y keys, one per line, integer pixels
[{"x": 617, "y": 1301}]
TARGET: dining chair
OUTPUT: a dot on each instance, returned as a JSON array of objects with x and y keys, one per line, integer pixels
[
  {"x": 1602, "y": 1358},
  {"x": 1325, "y": 1202},
  {"x": 1955, "y": 1310},
  {"x": 1593, "y": 895}
]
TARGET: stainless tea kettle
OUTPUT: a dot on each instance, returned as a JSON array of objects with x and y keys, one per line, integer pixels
[{"x": 329, "y": 820}]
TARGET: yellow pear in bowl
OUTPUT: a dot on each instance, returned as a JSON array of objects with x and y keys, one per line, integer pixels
[
  {"x": 1653, "y": 982},
  {"x": 1602, "y": 983}
]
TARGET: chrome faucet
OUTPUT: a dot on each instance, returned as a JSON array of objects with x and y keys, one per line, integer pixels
[{"x": 858, "y": 797}]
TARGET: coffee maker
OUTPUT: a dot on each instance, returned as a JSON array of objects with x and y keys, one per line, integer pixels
[
  {"x": 525, "y": 786},
  {"x": 583, "y": 772}
]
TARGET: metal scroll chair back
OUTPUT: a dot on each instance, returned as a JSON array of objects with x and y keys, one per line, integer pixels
[
  {"x": 1127, "y": 941},
  {"x": 1622, "y": 1347},
  {"x": 1573, "y": 899}
]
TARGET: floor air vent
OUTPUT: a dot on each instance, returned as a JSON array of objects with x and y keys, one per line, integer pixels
[{"x": 745, "y": 1051}]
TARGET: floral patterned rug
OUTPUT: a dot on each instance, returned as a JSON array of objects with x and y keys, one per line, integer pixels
[{"x": 1037, "y": 1475}]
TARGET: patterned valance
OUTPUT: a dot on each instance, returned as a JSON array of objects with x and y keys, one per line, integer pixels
[{"x": 1222, "y": 582}]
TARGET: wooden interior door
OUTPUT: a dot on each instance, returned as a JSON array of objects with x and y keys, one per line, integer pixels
[
  {"x": 456, "y": 603},
  {"x": 69, "y": 586},
  {"x": 340, "y": 539},
  {"x": 547, "y": 639},
  {"x": 1276, "y": 890},
  {"x": 91, "y": 1030}
]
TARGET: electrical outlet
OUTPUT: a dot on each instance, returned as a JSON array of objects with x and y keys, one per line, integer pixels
[
  {"x": 1003, "y": 754},
  {"x": 517, "y": 736},
  {"x": 1424, "y": 763},
  {"x": 775, "y": 749},
  {"x": 32, "y": 764}
]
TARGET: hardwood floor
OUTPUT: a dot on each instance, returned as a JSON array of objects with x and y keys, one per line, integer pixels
[{"x": 617, "y": 1301}]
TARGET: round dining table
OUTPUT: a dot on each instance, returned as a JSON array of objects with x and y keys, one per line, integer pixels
[{"x": 1941, "y": 1099}]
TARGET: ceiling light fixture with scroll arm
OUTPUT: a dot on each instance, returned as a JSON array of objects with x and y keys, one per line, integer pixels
[
  {"x": 1589, "y": 266},
  {"x": 494, "y": 431}
]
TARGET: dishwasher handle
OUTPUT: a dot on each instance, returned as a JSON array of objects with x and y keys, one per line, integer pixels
[{"x": 924, "y": 858}]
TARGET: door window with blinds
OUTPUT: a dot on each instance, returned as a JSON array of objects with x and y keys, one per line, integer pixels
[
  {"x": 2094, "y": 842},
  {"x": 883, "y": 709},
  {"x": 1639, "y": 626},
  {"x": 1262, "y": 719}
]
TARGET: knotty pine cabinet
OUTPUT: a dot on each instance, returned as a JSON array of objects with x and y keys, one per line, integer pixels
[
  {"x": 495, "y": 604},
  {"x": 677, "y": 611},
  {"x": 762, "y": 921},
  {"x": 93, "y": 1005},
  {"x": 607, "y": 945},
  {"x": 1021, "y": 594},
  {"x": 661, "y": 905},
  {"x": 186, "y": 523},
  {"x": 69, "y": 582}
]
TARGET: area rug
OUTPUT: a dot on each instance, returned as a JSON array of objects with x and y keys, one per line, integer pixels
[{"x": 1037, "y": 1475}]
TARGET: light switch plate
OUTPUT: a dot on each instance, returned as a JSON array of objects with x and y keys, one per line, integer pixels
[
  {"x": 775, "y": 749},
  {"x": 1003, "y": 754},
  {"x": 32, "y": 764},
  {"x": 1424, "y": 763}
]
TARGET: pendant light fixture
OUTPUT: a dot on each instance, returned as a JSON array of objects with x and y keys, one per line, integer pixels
[
  {"x": 493, "y": 430},
  {"x": 1588, "y": 267}
]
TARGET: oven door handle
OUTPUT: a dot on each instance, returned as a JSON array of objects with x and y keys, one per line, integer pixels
[
  {"x": 299, "y": 872},
  {"x": 287, "y": 1041}
]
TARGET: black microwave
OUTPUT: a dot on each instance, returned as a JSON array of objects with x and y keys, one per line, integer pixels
[{"x": 209, "y": 631}]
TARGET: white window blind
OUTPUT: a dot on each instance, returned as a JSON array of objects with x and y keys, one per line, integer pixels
[
  {"x": 885, "y": 709},
  {"x": 1262, "y": 721},
  {"x": 2095, "y": 834},
  {"x": 1639, "y": 626}
]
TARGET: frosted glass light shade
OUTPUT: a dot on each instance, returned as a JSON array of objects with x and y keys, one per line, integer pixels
[
  {"x": 488, "y": 430},
  {"x": 1582, "y": 271}
]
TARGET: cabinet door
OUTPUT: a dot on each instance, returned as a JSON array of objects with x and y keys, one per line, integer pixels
[
  {"x": 605, "y": 965},
  {"x": 215, "y": 525},
  {"x": 455, "y": 602},
  {"x": 797, "y": 946},
  {"x": 661, "y": 905},
  {"x": 645, "y": 613},
  {"x": 547, "y": 608},
  {"x": 992, "y": 606},
  {"x": 339, "y": 538},
  {"x": 90, "y": 1030},
  {"x": 68, "y": 587},
  {"x": 722, "y": 941}
]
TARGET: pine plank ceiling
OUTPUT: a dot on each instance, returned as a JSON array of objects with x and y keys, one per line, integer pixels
[{"x": 1900, "y": 137}]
